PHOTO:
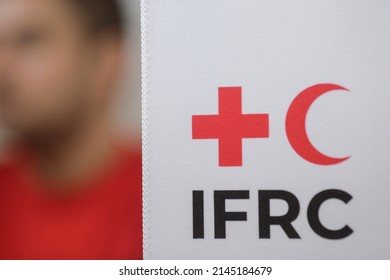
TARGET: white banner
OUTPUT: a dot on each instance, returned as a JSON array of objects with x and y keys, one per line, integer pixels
[{"x": 266, "y": 129}]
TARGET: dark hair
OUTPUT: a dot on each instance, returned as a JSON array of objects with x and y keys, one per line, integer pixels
[{"x": 100, "y": 16}]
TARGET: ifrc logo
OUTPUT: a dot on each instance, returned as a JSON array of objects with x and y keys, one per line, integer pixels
[{"x": 231, "y": 126}]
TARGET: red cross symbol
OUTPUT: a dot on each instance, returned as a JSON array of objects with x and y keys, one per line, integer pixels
[{"x": 230, "y": 126}]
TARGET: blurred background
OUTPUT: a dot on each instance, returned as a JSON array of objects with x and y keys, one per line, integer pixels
[{"x": 129, "y": 101}]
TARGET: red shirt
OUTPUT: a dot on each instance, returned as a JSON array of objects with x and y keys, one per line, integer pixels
[{"x": 104, "y": 221}]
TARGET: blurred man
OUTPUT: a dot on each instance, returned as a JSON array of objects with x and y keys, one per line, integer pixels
[{"x": 69, "y": 188}]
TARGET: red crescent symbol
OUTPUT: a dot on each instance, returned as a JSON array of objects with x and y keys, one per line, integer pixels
[{"x": 296, "y": 125}]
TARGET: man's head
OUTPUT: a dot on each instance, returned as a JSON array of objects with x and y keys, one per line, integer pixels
[{"x": 59, "y": 60}]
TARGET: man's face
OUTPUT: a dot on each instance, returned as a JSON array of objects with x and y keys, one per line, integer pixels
[{"x": 45, "y": 67}]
